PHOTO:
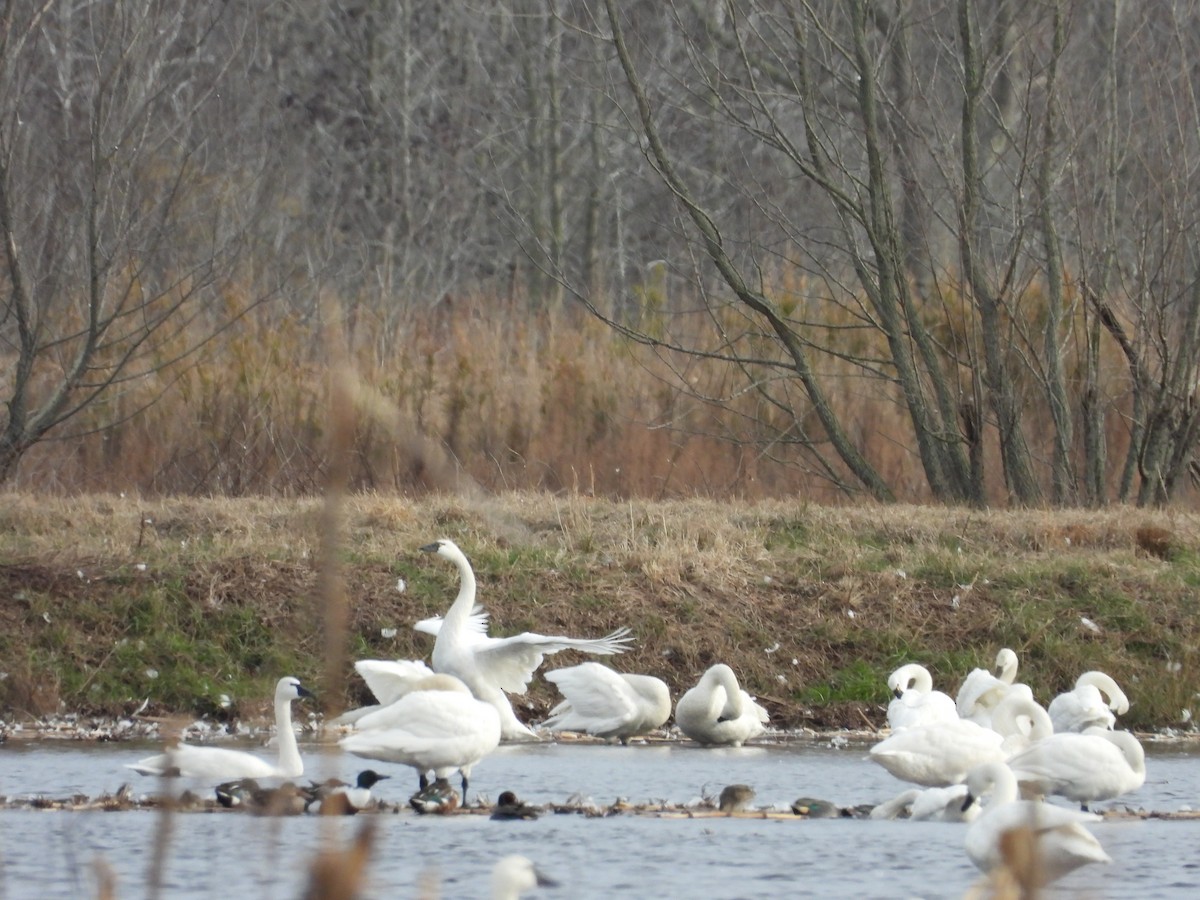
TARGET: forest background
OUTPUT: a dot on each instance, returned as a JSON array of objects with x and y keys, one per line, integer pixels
[{"x": 916, "y": 250}]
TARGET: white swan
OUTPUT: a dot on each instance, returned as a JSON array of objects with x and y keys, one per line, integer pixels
[
  {"x": 513, "y": 875},
  {"x": 935, "y": 804},
  {"x": 189, "y": 760},
  {"x": 1062, "y": 843},
  {"x": 388, "y": 681},
  {"x": 1020, "y": 720},
  {"x": 914, "y": 701},
  {"x": 1096, "y": 765},
  {"x": 491, "y": 666},
  {"x": 939, "y": 754},
  {"x": 437, "y": 726},
  {"x": 982, "y": 689},
  {"x": 608, "y": 704},
  {"x": 718, "y": 711},
  {"x": 1095, "y": 702}
]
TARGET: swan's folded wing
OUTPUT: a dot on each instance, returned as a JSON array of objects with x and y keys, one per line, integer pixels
[
  {"x": 599, "y": 699},
  {"x": 510, "y": 662},
  {"x": 760, "y": 713},
  {"x": 391, "y": 679}
]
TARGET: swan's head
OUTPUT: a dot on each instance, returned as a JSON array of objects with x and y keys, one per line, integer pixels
[
  {"x": 1006, "y": 665},
  {"x": 443, "y": 547},
  {"x": 290, "y": 688},
  {"x": 514, "y": 874}
]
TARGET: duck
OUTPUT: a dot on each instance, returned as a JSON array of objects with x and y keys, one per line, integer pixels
[
  {"x": 515, "y": 875},
  {"x": 508, "y": 806},
  {"x": 735, "y": 798},
  {"x": 439, "y": 726},
  {"x": 1096, "y": 765},
  {"x": 608, "y": 704},
  {"x": 247, "y": 794},
  {"x": 334, "y": 797},
  {"x": 939, "y": 754},
  {"x": 1095, "y": 701},
  {"x": 191, "y": 761},
  {"x": 716, "y": 711},
  {"x": 492, "y": 666},
  {"x": 1062, "y": 842},
  {"x": 983, "y": 689},
  {"x": 438, "y": 798},
  {"x": 914, "y": 701}
]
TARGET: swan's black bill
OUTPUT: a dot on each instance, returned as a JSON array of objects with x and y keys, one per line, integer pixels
[{"x": 432, "y": 548}]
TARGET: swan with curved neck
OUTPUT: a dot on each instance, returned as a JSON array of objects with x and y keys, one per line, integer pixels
[
  {"x": 189, "y": 760},
  {"x": 718, "y": 712},
  {"x": 1062, "y": 842},
  {"x": 1021, "y": 720},
  {"x": 1095, "y": 702},
  {"x": 608, "y": 704},
  {"x": 490, "y": 666},
  {"x": 914, "y": 701},
  {"x": 983, "y": 689}
]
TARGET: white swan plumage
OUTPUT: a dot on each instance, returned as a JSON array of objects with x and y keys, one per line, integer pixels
[
  {"x": 438, "y": 726},
  {"x": 914, "y": 701},
  {"x": 1096, "y": 765},
  {"x": 491, "y": 666},
  {"x": 716, "y": 711},
  {"x": 189, "y": 760},
  {"x": 1094, "y": 702},
  {"x": 939, "y": 754},
  {"x": 1063, "y": 843},
  {"x": 983, "y": 689},
  {"x": 513, "y": 875},
  {"x": 388, "y": 680},
  {"x": 1020, "y": 720},
  {"x": 602, "y": 702},
  {"x": 935, "y": 804}
]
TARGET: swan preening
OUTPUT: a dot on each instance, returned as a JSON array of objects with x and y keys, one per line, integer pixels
[
  {"x": 914, "y": 701},
  {"x": 189, "y": 760},
  {"x": 608, "y": 704},
  {"x": 718, "y": 711},
  {"x": 1094, "y": 702},
  {"x": 935, "y": 804},
  {"x": 437, "y": 726},
  {"x": 982, "y": 690},
  {"x": 490, "y": 666},
  {"x": 1062, "y": 843}
]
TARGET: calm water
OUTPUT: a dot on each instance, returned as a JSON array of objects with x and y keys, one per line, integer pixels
[{"x": 49, "y": 854}]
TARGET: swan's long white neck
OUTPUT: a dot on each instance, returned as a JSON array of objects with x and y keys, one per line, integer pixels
[
  {"x": 290, "y": 764},
  {"x": 460, "y": 610},
  {"x": 1006, "y": 715},
  {"x": 1004, "y": 785},
  {"x": 922, "y": 681},
  {"x": 731, "y": 707},
  {"x": 1117, "y": 701}
]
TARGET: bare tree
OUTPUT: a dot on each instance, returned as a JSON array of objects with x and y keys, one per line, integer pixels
[{"x": 121, "y": 217}]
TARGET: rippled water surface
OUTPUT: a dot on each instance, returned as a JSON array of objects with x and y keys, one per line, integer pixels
[{"x": 49, "y": 854}]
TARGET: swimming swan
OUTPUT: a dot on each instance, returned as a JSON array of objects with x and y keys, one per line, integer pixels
[
  {"x": 982, "y": 690},
  {"x": 914, "y": 701},
  {"x": 513, "y": 875},
  {"x": 940, "y": 754},
  {"x": 189, "y": 760},
  {"x": 1063, "y": 844},
  {"x": 1095, "y": 701},
  {"x": 1096, "y": 765},
  {"x": 608, "y": 704},
  {"x": 718, "y": 711},
  {"x": 388, "y": 680},
  {"x": 491, "y": 666},
  {"x": 437, "y": 726}
]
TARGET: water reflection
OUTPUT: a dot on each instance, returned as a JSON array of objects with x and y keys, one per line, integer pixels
[{"x": 48, "y": 854}]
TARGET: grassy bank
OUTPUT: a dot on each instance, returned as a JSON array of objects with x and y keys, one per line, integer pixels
[{"x": 106, "y": 601}]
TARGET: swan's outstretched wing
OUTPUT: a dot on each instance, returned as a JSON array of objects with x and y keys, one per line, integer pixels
[
  {"x": 477, "y": 623},
  {"x": 510, "y": 662},
  {"x": 391, "y": 679},
  {"x": 597, "y": 699}
]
